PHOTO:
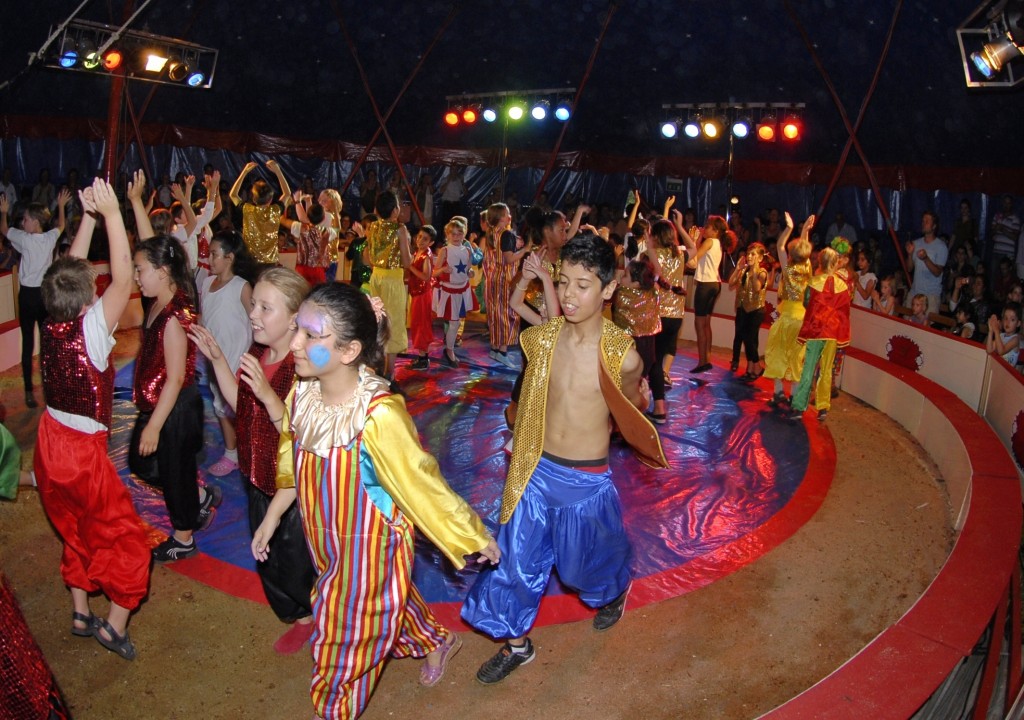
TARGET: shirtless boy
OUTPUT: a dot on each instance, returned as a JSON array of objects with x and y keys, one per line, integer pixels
[{"x": 559, "y": 507}]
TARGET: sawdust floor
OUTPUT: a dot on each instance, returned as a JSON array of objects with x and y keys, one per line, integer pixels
[{"x": 734, "y": 649}]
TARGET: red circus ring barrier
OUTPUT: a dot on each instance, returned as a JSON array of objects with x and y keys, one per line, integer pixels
[{"x": 978, "y": 585}]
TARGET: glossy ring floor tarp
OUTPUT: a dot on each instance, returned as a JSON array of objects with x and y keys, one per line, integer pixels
[{"x": 742, "y": 480}]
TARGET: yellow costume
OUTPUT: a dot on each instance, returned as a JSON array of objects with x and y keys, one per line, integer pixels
[
  {"x": 387, "y": 281},
  {"x": 784, "y": 356}
]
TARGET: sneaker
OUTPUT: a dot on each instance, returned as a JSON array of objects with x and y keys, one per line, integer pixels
[
  {"x": 493, "y": 354},
  {"x": 779, "y": 401},
  {"x": 822, "y": 414},
  {"x": 610, "y": 613},
  {"x": 501, "y": 665},
  {"x": 420, "y": 363},
  {"x": 794, "y": 414},
  {"x": 209, "y": 505},
  {"x": 171, "y": 550},
  {"x": 657, "y": 418},
  {"x": 222, "y": 467}
]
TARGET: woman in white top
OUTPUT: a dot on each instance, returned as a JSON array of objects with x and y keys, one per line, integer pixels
[{"x": 708, "y": 283}]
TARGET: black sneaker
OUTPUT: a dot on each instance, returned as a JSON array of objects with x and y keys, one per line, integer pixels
[
  {"x": 610, "y": 613},
  {"x": 822, "y": 414},
  {"x": 420, "y": 363},
  {"x": 170, "y": 550},
  {"x": 501, "y": 665},
  {"x": 207, "y": 509}
]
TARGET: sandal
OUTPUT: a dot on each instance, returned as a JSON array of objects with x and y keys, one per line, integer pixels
[
  {"x": 120, "y": 644},
  {"x": 90, "y": 624}
]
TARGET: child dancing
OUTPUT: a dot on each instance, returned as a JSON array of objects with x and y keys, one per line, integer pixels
[
  {"x": 105, "y": 546},
  {"x": 256, "y": 393},
  {"x": 169, "y": 430},
  {"x": 826, "y": 327},
  {"x": 363, "y": 484},
  {"x": 784, "y": 356},
  {"x": 559, "y": 507},
  {"x": 226, "y": 296}
]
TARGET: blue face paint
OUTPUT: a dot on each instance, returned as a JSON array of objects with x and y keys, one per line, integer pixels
[{"x": 319, "y": 356}]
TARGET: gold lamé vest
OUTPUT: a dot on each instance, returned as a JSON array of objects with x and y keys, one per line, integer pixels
[
  {"x": 382, "y": 244},
  {"x": 636, "y": 311},
  {"x": 260, "y": 224},
  {"x": 673, "y": 271},
  {"x": 749, "y": 298},
  {"x": 794, "y": 281},
  {"x": 538, "y": 345}
]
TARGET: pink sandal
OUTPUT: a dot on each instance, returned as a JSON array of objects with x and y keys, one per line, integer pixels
[{"x": 430, "y": 676}]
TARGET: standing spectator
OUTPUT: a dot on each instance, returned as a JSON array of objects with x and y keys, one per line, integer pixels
[
  {"x": 36, "y": 247},
  {"x": 8, "y": 189},
  {"x": 452, "y": 190},
  {"x": 929, "y": 253},
  {"x": 1003, "y": 233},
  {"x": 841, "y": 228},
  {"x": 425, "y": 198},
  {"x": 965, "y": 229},
  {"x": 44, "y": 192},
  {"x": 368, "y": 193}
]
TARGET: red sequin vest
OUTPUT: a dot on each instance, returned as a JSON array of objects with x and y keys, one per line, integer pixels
[
  {"x": 257, "y": 436},
  {"x": 71, "y": 383},
  {"x": 150, "y": 366}
]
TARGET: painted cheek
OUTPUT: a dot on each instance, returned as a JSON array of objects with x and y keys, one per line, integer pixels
[{"x": 319, "y": 356}]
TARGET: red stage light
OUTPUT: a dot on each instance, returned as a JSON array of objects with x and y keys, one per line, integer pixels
[
  {"x": 451, "y": 118},
  {"x": 112, "y": 59},
  {"x": 791, "y": 129},
  {"x": 469, "y": 116}
]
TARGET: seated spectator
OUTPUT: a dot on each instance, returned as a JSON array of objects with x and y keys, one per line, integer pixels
[
  {"x": 919, "y": 310},
  {"x": 1004, "y": 335},
  {"x": 978, "y": 302},
  {"x": 964, "y": 326}
]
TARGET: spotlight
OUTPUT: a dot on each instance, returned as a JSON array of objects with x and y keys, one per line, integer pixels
[
  {"x": 87, "y": 52},
  {"x": 540, "y": 110},
  {"x": 995, "y": 55},
  {"x": 177, "y": 70},
  {"x": 792, "y": 127},
  {"x": 767, "y": 128},
  {"x": 712, "y": 128},
  {"x": 516, "y": 111},
  {"x": 741, "y": 126},
  {"x": 490, "y": 114},
  {"x": 195, "y": 79},
  {"x": 68, "y": 53},
  {"x": 155, "y": 62},
  {"x": 469, "y": 115},
  {"x": 451, "y": 118},
  {"x": 563, "y": 111},
  {"x": 112, "y": 59},
  {"x": 669, "y": 129}
]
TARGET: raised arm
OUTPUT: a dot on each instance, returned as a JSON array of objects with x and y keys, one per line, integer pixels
[
  {"x": 117, "y": 294},
  {"x": 237, "y": 187},
  {"x": 688, "y": 240},
  {"x": 5, "y": 207},
  {"x": 135, "y": 188},
  {"x": 574, "y": 227},
  {"x": 780, "y": 243},
  {"x": 83, "y": 238},
  {"x": 63, "y": 198},
  {"x": 286, "y": 192},
  {"x": 636, "y": 209}
]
